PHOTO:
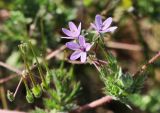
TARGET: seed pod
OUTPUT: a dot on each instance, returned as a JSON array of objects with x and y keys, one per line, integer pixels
[
  {"x": 29, "y": 97},
  {"x": 10, "y": 96},
  {"x": 37, "y": 92}
]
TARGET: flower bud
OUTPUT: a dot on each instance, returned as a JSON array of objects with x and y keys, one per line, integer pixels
[
  {"x": 10, "y": 96},
  {"x": 37, "y": 92},
  {"x": 29, "y": 97}
]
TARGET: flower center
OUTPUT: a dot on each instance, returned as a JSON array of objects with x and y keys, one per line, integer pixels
[
  {"x": 73, "y": 31},
  {"x": 83, "y": 49},
  {"x": 101, "y": 27}
]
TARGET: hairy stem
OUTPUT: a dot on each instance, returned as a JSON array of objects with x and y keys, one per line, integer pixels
[{"x": 38, "y": 64}]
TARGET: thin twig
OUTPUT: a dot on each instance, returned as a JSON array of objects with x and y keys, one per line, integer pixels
[
  {"x": 10, "y": 68},
  {"x": 96, "y": 66},
  {"x": 143, "y": 67},
  {"x": 18, "y": 87},
  {"x": 124, "y": 46},
  {"x": 9, "y": 111},
  {"x": 3, "y": 80},
  {"x": 94, "y": 104},
  {"x": 54, "y": 53}
]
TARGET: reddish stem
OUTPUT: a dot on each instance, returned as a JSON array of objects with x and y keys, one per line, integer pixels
[{"x": 94, "y": 104}]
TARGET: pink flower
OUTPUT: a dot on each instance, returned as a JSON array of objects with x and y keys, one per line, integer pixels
[
  {"x": 80, "y": 49},
  {"x": 103, "y": 27},
  {"x": 73, "y": 31}
]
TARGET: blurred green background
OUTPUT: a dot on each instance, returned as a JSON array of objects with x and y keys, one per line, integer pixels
[{"x": 41, "y": 21}]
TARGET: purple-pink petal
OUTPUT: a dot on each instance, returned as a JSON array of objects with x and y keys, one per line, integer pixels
[
  {"x": 93, "y": 26},
  {"x": 75, "y": 55},
  {"x": 82, "y": 41},
  {"x": 76, "y": 33},
  {"x": 103, "y": 27},
  {"x": 67, "y": 32},
  {"x": 79, "y": 27},
  {"x": 83, "y": 56},
  {"x": 107, "y": 23},
  {"x": 98, "y": 21},
  {"x": 110, "y": 29},
  {"x": 72, "y": 26},
  {"x": 72, "y": 45},
  {"x": 88, "y": 46}
]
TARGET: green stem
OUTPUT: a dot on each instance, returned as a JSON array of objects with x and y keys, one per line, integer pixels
[
  {"x": 42, "y": 34},
  {"x": 46, "y": 65},
  {"x": 96, "y": 47},
  {"x": 39, "y": 67},
  {"x": 3, "y": 98},
  {"x": 27, "y": 66},
  {"x": 102, "y": 45},
  {"x": 25, "y": 83},
  {"x": 102, "y": 39}
]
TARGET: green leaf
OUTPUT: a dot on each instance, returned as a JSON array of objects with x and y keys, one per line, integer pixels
[
  {"x": 13, "y": 59},
  {"x": 38, "y": 110},
  {"x": 118, "y": 84}
]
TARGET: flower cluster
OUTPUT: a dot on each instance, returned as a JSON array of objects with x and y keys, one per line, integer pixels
[
  {"x": 78, "y": 43},
  {"x": 80, "y": 48}
]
